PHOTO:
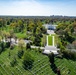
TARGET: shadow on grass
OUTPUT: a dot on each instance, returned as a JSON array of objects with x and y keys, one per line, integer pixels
[{"x": 55, "y": 69}]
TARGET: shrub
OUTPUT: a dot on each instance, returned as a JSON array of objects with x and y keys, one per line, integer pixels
[
  {"x": 9, "y": 54},
  {"x": 37, "y": 40},
  {"x": 0, "y": 50},
  {"x": 40, "y": 51},
  {"x": 28, "y": 46},
  {"x": 69, "y": 54},
  {"x": 59, "y": 56},
  {"x": 7, "y": 44},
  {"x": 58, "y": 71},
  {"x": 2, "y": 47},
  {"x": 20, "y": 53},
  {"x": 13, "y": 62},
  {"x": 12, "y": 46}
]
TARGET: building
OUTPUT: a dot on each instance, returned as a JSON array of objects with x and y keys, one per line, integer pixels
[{"x": 50, "y": 26}]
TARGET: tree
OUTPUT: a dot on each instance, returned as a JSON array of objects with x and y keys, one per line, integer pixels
[
  {"x": 37, "y": 40},
  {"x": 0, "y": 38},
  {"x": 31, "y": 25},
  {"x": 74, "y": 43},
  {"x": 44, "y": 40},
  {"x": 38, "y": 30},
  {"x": 13, "y": 62},
  {"x": 20, "y": 25},
  {"x": 14, "y": 26},
  {"x": 28, "y": 60},
  {"x": 2, "y": 23},
  {"x": 4, "y": 34},
  {"x": 20, "y": 53},
  {"x": 28, "y": 46},
  {"x": 21, "y": 44},
  {"x": 7, "y": 44},
  {"x": 9, "y": 54},
  {"x": 0, "y": 50},
  {"x": 51, "y": 58},
  {"x": 58, "y": 71},
  {"x": 2, "y": 46}
]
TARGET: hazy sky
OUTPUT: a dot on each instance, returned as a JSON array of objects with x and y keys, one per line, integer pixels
[{"x": 38, "y": 7}]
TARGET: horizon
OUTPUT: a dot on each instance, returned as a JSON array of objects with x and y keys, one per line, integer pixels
[
  {"x": 36, "y": 16},
  {"x": 37, "y": 7}
]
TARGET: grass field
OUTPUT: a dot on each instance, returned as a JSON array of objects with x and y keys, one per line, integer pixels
[
  {"x": 41, "y": 65},
  {"x": 20, "y": 35},
  {"x": 50, "y": 42},
  {"x": 50, "y": 39}
]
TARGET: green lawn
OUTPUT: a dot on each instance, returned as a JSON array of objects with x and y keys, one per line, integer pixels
[
  {"x": 20, "y": 35},
  {"x": 50, "y": 40},
  {"x": 41, "y": 64}
]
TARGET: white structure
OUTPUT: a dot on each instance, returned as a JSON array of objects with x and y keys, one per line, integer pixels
[
  {"x": 49, "y": 49},
  {"x": 50, "y": 26}
]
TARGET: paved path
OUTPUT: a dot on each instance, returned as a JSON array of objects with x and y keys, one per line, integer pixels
[
  {"x": 16, "y": 42},
  {"x": 47, "y": 40},
  {"x": 53, "y": 40},
  {"x": 37, "y": 47},
  {"x": 48, "y": 49}
]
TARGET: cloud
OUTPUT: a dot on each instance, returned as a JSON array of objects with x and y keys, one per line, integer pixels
[
  {"x": 28, "y": 7},
  {"x": 37, "y": 8}
]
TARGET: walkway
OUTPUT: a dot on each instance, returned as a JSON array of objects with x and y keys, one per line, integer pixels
[
  {"x": 47, "y": 49},
  {"x": 50, "y": 48},
  {"x": 16, "y": 42}
]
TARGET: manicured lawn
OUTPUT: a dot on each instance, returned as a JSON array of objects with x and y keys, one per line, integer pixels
[
  {"x": 20, "y": 35},
  {"x": 50, "y": 40},
  {"x": 55, "y": 38},
  {"x": 67, "y": 67},
  {"x": 41, "y": 65}
]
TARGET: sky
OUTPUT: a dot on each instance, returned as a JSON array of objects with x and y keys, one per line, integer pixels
[{"x": 38, "y": 7}]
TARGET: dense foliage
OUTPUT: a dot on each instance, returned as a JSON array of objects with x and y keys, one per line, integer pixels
[{"x": 67, "y": 38}]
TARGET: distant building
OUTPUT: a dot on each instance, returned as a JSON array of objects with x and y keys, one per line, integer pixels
[{"x": 50, "y": 26}]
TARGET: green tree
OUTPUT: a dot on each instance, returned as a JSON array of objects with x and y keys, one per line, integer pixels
[
  {"x": 51, "y": 58},
  {"x": 13, "y": 62},
  {"x": 20, "y": 53},
  {"x": 2, "y": 46},
  {"x": 21, "y": 44},
  {"x": 28, "y": 60},
  {"x": 28, "y": 46},
  {"x": 37, "y": 40}
]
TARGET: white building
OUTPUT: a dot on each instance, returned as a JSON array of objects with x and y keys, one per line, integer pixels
[{"x": 50, "y": 26}]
